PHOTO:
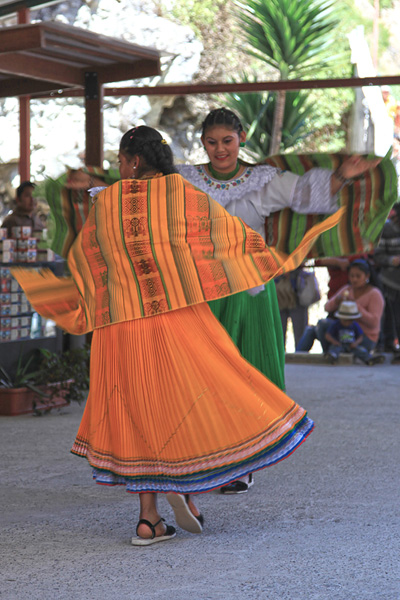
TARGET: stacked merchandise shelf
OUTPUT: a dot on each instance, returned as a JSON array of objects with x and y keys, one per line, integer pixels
[
  {"x": 18, "y": 320},
  {"x": 21, "y": 328}
]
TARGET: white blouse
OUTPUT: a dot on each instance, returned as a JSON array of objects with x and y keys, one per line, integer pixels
[{"x": 262, "y": 190}]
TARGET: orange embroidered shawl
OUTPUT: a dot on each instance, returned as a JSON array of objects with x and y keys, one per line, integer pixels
[{"x": 150, "y": 246}]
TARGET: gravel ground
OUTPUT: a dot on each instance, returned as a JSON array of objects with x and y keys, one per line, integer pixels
[{"x": 322, "y": 525}]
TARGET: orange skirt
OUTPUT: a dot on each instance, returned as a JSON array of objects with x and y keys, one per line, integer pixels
[{"x": 173, "y": 406}]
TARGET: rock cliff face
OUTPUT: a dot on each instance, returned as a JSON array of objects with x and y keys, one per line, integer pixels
[{"x": 57, "y": 126}]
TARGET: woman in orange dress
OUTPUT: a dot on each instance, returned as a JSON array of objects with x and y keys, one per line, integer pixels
[{"x": 172, "y": 407}]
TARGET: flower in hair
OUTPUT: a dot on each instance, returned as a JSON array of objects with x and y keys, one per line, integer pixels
[{"x": 164, "y": 142}]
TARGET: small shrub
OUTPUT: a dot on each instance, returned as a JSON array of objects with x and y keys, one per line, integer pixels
[
  {"x": 67, "y": 373},
  {"x": 70, "y": 370}
]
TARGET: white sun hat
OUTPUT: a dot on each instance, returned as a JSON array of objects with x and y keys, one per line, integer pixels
[{"x": 348, "y": 310}]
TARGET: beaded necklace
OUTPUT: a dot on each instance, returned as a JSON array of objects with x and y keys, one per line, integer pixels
[{"x": 224, "y": 176}]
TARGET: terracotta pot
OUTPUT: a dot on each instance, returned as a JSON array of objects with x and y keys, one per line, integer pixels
[{"x": 20, "y": 401}]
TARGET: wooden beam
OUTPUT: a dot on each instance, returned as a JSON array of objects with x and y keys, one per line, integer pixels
[
  {"x": 22, "y": 86},
  {"x": 90, "y": 40},
  {"x": 220, "y": 88},
  {"x": 14, "y": 7},
  {"x": 49, "y": 36},
  {"x": 37, "y": 67},
  {"x": 20, "y": 38},
  {"x": 259, "y": 86},
  {"x": 24, "y": 120},
  {"x": 94, "y": 130},
  {"x": 23, "y": 15},
  {"x": 24, "y": 139},
  {"x": 101, "y": 50},
  {"x": 132, "y": 70}
]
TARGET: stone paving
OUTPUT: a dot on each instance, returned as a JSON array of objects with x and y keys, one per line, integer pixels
[{"x": 321, "y": 525}]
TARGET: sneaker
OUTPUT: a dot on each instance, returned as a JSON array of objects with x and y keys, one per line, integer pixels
[
  {"x": 239, "y": 486},
  {"x": 376, "y": 359}
]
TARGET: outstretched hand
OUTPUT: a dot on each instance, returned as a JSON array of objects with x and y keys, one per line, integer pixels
[
  {"x": 78, "y": 180},
  {"x": 350, "y": 168},
  {"x": 357, "y": 165}
]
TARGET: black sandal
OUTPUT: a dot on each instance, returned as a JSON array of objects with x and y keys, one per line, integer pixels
[
  {"x": 238, "y": 487},
  {"x": 169, "y": 533},
  {"x": 200, "y": 518}
]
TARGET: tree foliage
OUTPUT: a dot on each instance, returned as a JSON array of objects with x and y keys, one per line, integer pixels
[
  {"x": 256, "y": 111},
  {"x": 200, "y": 16},
  {"x": 292, "y": 36},
  {"x": 226, "y": 52},
  {"x": 384, "y": 3}
]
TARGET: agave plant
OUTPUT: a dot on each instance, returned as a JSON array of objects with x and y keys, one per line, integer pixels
[
  {"x": 256, "y": 111},
  {"x": 292, "y": 36},
  {"x": 22, "y": 376},
  {"x": 41, "y": 368}
]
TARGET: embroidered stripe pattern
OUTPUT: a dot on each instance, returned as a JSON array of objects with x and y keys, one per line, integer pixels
[
  {"x": 367, "y": 203},
  {"x": 166, "y": 242}
]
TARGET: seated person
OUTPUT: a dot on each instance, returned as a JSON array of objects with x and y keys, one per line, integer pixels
[
  {"x": 370, "y": 304},
  {"x": 24, "y": 213},
  {"x": 345, "y": 335},
  {"x": 337, "y": 267}
]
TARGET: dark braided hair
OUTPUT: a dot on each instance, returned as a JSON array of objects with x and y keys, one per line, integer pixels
[
  {"x": 222, "y": 116},
  {"x": 150, "y": 145}
]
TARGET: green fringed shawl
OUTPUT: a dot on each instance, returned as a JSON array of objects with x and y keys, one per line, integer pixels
[
  {"x": 70, "y": 208},
  {"x": 150, "y": 246},
  {"x": 368, "y": 202}
]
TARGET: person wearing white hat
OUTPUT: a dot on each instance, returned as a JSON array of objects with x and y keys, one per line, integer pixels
[{"x": 345, "y": 335}]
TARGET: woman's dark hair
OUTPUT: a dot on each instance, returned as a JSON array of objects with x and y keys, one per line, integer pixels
[
  {"x": 367, "y": 268},
  {"x": 222, "y": 116},
  {"x": 150, "y": 145},
  {"x": 361, "y": 264}
]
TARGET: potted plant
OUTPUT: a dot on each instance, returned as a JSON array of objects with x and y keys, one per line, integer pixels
[
  {"x": 67, "y": 372},
  {"x": 44, "y": 381}
]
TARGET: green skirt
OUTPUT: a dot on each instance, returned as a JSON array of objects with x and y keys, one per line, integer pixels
[{"x": 254, "y": 324}]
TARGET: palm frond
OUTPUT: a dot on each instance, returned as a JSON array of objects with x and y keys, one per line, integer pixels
[
  {"x": 289, "y": 35},
  {"x": 256, "y": 112}
]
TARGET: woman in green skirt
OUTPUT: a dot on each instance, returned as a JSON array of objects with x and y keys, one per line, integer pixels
[{"x": 253, "y": 192}]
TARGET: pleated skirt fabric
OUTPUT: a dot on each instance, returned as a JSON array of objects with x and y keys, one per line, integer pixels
[
  {"x": 174, "y": 407},
  {"x": 254, "y": 324}
]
